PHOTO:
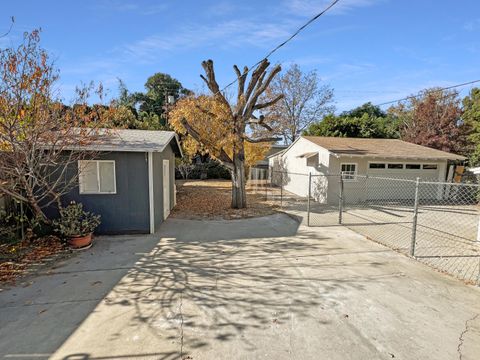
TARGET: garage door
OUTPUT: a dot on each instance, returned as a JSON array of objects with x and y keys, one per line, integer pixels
[{"x": 381, "y": 189}]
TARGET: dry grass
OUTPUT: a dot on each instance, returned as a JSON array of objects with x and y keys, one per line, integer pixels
[{"x": 210, "y": 199}]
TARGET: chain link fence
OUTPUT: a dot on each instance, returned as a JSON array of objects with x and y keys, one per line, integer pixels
[{"x": 437, "y": 223}]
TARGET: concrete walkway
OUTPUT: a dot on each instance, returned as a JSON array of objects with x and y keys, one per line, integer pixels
[{"x": 244, "y": 289}]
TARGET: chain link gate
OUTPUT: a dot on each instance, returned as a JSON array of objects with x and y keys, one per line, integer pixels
[{"x": 437, "y": 223}]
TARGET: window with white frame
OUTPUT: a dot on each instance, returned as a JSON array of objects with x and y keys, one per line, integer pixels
[
  {"x": 97, "y": 177},
  {"x": 349, "y": 172}
]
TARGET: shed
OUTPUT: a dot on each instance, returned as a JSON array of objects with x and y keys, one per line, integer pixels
[{"x": 131, "y": 180}]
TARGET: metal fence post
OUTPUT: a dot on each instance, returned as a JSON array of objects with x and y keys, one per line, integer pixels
[
  {"x": 340, "y": 202},
  {"x": 309, "y": 195},
  {"x": 267, "y": 176},
  {"x": 281, "y": 190},
  {"x": 415, "y": 217}
]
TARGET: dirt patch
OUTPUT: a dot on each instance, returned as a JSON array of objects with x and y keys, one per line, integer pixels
[{"x": 211, "y": 199}]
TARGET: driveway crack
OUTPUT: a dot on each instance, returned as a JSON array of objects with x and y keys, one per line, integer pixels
[
  {"x": 463, "y": 333},
  {"x": 180, "y": 309}
]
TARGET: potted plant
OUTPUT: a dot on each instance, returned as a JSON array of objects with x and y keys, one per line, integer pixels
[{"x": 77, "y": 225}]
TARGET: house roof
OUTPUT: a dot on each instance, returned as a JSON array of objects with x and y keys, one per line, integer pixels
[
  {"x": 380, "y": 148},
  {"x": 131, "y": 141}
]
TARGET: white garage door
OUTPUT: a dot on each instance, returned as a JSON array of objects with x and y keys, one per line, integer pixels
[{"x": 380, "y": 189}]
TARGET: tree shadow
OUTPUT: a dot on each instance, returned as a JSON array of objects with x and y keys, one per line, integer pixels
[{"x": 208, "y": 283}]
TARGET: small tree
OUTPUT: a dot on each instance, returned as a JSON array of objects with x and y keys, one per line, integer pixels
[
  {"x": 184, "y": 166},
  {"x": 38, "y": 134},
  {"x": 223, "y": 128},
  {"x": 304, "y": 101},
  {"x": 434, "y": 120}
]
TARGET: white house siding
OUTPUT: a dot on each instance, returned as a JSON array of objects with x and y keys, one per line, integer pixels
[
  {"x": 297, "y": 167},
  {"x": 327, "y": 188},
  {"x": 380, "y": 189}
]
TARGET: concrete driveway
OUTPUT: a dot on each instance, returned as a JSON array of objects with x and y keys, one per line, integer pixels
[{"x": 244, "y": 289}]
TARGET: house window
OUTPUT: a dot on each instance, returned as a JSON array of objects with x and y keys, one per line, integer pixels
[
  {"x": 412, "y": 166},
  {"x": 395, "y": 166},
  {"x": 429, "y": 167},
  {"x": 377, "y": 166},
  {"x": 349, "y": 172},
  {"x": 97, "y": 177}
]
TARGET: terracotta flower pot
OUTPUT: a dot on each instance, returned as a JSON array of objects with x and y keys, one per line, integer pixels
[{"x": 78, "y": 242}]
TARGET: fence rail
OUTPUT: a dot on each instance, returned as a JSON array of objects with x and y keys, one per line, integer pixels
[{"x": 437, "y": 223}]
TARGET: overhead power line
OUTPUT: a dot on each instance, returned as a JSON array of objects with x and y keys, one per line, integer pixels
[
  {"x": 271, "y": 52},
  {"x": 434, "y": 91}
]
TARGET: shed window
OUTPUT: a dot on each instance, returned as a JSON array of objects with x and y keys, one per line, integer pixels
[
  {"x": 377, "y": 166},
  {"x": 349, "y": 172},
  {"x": 395, "y": 166},
  {"x": 429, "y": 167},
  {"x": 412, "y": 166},
  {"x": 97, "y": 177}
]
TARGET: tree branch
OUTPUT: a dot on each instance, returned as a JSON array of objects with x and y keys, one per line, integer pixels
[
  {"x": 269, "y": 103},
  {"x": 263, "y": 139},
  {"x": 222, "y": 155}
]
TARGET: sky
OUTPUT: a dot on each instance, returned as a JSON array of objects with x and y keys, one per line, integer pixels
[{"x": 366, "y": 50}]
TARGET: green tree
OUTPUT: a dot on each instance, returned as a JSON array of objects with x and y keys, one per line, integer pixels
[
  {"x": 158, "y": 87},
  {"x": 471, "y": 118},
  {"x": 366, "y": 121},
  {"x": 149, "y": 109}
]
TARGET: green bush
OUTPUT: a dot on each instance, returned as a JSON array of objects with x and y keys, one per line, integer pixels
[{"x": 74, "y": 221}]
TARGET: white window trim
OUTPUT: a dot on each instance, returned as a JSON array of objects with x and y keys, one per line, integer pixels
[
  {"x": 80, "y": 178},
  {"x": 355, "y": 173},
  {"x": 404, "y": 165},
  {"x": 395, "y": 163},
  {"x": 413, "y": 163},
  {"x": 432, "y": 164},
  {"x": 377, "y": 162}
]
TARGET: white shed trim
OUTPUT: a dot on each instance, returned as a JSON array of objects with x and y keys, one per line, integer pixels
[{"x": 150, "y": 192}]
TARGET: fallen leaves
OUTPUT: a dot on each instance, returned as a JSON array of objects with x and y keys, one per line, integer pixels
[
  {"x": 17, "y": 259},
  {"x": 210, "y": 199}
]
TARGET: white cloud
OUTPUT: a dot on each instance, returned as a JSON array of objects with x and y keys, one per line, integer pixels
[
  {"x": 131, "y": 7},
  {"x": 233, "y": 33},
  {"x": 472, "y": 25},
  {"x": 311, "y": 7}
]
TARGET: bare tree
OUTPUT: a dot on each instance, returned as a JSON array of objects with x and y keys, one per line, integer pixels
[
  {"x": 304, "y": 101},
  {"x": 40, "y": 138},
  {"x": 235, "y": 121}
]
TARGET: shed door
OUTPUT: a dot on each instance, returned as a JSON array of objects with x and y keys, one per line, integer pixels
[{"x": 166, "y": 188}]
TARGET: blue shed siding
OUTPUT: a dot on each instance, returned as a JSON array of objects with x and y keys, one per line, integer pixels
[{"x": 127, "y": 211}]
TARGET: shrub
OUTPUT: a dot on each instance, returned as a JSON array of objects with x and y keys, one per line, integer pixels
[{"x": 74, "y": 221}]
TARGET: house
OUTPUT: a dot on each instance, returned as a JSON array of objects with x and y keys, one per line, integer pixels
[
  {"x": 259, "y": 171},
  {"x": 356, "y": 157},
  {"x": 131, "y": 180}
]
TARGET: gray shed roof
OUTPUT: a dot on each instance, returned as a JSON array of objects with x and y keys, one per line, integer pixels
[{"x": 131, "y": 141}]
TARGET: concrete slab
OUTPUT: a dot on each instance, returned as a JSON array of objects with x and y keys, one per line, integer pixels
[{"x": 247, "y": 289}]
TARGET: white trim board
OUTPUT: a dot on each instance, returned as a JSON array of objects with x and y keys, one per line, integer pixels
[{"x": 151, "y": 204}]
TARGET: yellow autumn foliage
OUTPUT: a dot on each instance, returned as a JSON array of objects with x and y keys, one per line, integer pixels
[{"x": 214, "y": 123}]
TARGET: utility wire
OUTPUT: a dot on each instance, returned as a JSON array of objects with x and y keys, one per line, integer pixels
[
  {"x": 300, "y": 29},
  {"x": 434, "y": 91}
]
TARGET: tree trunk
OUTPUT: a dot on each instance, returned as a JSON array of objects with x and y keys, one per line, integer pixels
[{"x": 239, "y": 195}]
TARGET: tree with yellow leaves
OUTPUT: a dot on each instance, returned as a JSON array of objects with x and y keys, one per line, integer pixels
[{"x": 214, "y": 124}]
